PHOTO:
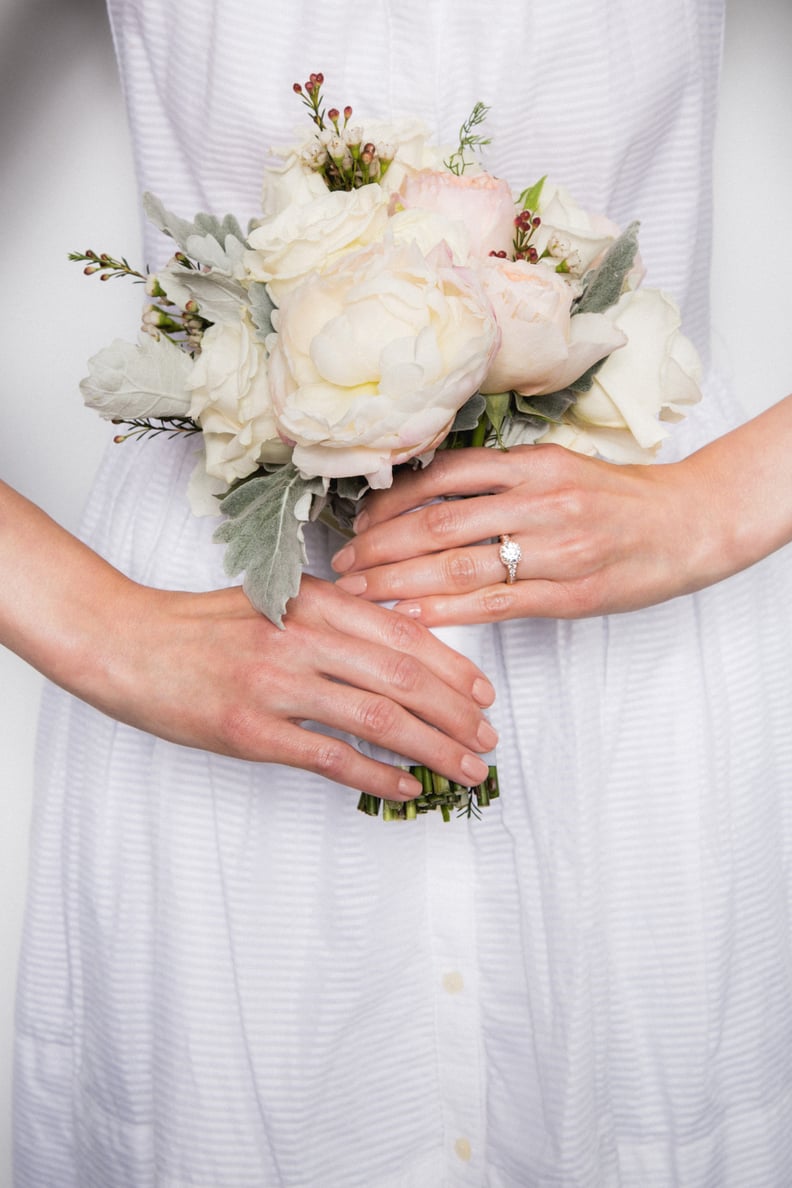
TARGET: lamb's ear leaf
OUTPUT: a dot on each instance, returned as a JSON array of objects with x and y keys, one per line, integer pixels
[
  {"x": 603, "y": 285},
  {"x": 264, "y": 535}
]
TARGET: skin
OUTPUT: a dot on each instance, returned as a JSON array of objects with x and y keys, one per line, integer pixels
[
  {"x": 596, "y": 538},
  {"x": 206, "y": 670}
]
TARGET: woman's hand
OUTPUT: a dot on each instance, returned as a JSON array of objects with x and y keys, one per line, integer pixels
[
  {"x": 208, "y": 671},
  {"x": 595, "y": 538}
]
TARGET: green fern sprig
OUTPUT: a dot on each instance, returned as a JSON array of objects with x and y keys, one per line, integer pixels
[{"x": 469, "y": 140}]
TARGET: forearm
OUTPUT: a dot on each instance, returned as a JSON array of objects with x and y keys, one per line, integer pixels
[
  {"x": 596, "y": 538},
  {"x": 745, "y": 478},
  {"x": 207, "y": 670},
  {"x": 55, "y": 596}
]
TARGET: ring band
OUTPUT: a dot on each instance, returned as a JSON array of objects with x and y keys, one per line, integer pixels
[{"x": 510, "y": 554}]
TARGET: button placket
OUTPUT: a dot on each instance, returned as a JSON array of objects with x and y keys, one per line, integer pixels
[{"x": 452, "y": 927}]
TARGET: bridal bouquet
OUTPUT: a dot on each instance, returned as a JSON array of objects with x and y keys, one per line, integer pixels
[{"x": 392, "y": 300}]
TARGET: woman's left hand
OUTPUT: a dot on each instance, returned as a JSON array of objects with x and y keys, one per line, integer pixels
[{"x": 595, "y": 538}]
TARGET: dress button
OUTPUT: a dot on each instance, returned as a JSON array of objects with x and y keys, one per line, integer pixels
[
  {"x": 462, "y": 1148},
  {"x": 453, "y": 982}
]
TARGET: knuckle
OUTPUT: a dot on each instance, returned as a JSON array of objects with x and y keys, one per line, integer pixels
[
  {"x": 403, "y": 634},
  {"x": 584, "y": 597},
  {"x": 567, "y": 502},
  {"x": 404, "y": 672},
  {"x": 377, "y": 716},
  {"x": 328, "y": 758},
  {"x": 443, "y": 519},
  {"x": 459, "y": 570},
  {"x": 237, "y": 729},
  {"x": 579, "y": 555},
  {"x": 496, "y": 603}
]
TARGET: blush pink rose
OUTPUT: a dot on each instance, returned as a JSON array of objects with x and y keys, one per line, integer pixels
[
  {"x": 543, "y": 348},
  {"x": 482, "y": 203}
]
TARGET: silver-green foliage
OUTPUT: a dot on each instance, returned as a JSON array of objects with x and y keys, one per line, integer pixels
[{"x": 264, "y": 535}]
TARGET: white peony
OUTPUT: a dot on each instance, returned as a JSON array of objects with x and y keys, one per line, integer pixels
[
  {"x": 303, "y": 240},
  {"x": 373, "y": 358},
  {"x": 231, "y": 402}
]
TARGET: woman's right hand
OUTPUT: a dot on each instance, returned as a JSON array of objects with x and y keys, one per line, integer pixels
[{"x": 207, "y": 670}]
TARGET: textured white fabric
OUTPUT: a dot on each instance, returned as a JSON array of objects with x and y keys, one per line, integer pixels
[{"x": 230, "y": 977}]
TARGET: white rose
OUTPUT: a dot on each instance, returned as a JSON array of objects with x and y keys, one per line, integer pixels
[
  {"x": 373, "y": 358},
  {"x": 231, "y": 402},
  {"x": 654, "y": 378},
  {"x": 295, "y": 183},
  {"x": 569, "y": 232},
  {"x": 291, "y": 184},
  {"x": 303, "y": 240},
  {"x": 543, "y": 348}
]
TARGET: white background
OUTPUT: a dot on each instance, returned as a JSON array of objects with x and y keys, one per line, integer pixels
[{"x": 68, "y": 184}]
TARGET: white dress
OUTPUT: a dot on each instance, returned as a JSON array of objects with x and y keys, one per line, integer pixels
[{"x": 233, "y": 979}]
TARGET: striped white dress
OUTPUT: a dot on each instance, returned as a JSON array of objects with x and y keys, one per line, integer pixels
[{"x": 232, "y": 979}]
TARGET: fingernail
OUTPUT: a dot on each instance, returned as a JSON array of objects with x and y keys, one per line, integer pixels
[
  {"x": 487, "y": 735},
  {"x": 474, "y": 768},
  {"x": 409, "y": 787},
  {"x": 361, "y": 522},
  {"x": 483, "y": 691},
  {"x": 344, "y": 559},
  {"x": 354, "y": 584},
  {"x": 413, "y": 609}
]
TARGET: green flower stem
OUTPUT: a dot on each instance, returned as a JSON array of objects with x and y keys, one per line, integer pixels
[
  {"x": 479, "y": 434},
  {"x": 437, "y": 793}
]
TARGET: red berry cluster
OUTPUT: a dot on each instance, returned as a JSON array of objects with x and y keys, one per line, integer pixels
[{"x": 525, "y": 224}]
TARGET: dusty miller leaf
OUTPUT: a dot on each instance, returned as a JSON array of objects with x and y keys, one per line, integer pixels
[
  {"x": 543, "y": 409},
  {"x": 205, "y": 238},
  {"x": 602, "y": 287},
  {"x": 583, "y": 382},
  {"x": 261, "y": 307},
  {"x": 264, "y": 535},
  {"x": 147, "y": 379},
  {"x": 468, "y": 415},
  {"x": 352, "y": 487},
  {"x": 219, "y": 297}
]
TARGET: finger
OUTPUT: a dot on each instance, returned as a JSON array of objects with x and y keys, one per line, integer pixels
[
  {"x": 457, "y": 571},
  {"x": 452, "y": 472},
  {"x": 536, "y": 598},
  {"x": 438, "y": 527},
  {"x": 359, "y": 620},
  {"x": 336, "y": 760},
  {"x": 404, "y": 679},
  {"x": 384, "y": 722}
]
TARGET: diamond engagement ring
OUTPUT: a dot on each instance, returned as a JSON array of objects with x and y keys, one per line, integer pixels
[{"x": 510, "y": 554}]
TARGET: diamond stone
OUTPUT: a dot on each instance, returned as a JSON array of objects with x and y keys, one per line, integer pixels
[{"x": 510, "y": 552}]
